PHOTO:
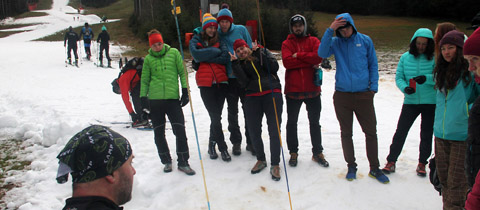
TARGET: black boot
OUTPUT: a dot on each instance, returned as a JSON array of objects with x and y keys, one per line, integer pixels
[
  {"x": 225, "y": 156},
  {"x": 211, "y": 150},
  {"x": 109, "y": 64}
]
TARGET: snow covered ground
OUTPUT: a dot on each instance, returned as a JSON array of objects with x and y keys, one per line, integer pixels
[{"x": 44, "y": 103}]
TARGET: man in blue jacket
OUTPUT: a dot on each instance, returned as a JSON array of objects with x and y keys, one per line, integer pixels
[
  {"x": 228, "y": 33},
  {"x": 356, "y": 82}
]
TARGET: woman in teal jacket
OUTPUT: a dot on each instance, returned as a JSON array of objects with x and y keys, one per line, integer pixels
[
  {"x": 456, "y": 91},
  {"x": 161, "y": 70},
  {"x": 414, "y": 79}
]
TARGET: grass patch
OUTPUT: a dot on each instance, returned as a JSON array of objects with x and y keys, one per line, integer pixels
[
  {"x": 4, "y": 27},
  {"x": 31, "y": 14},
  {"x": 8, "y": 33},
  {"x": 9, "y": 161},
  {"x": 44, "y": 5}
]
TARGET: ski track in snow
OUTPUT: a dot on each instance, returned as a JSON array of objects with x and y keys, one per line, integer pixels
[{"x": 45, "y": 103}]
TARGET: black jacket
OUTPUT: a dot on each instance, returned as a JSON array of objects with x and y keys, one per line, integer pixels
[
  {"x": 72, "y": 38},
  {"x": 261, "y": 78},
  {"x": 472, "y": 160},
  {"x": 103, "y": 38},
  {"x": 91, "y": 202}
]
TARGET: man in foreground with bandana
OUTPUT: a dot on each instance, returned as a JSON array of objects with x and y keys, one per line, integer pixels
[{"x": 100, "y": 162}]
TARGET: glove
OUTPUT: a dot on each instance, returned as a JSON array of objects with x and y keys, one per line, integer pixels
[
  {"x": 420, "y": 79},
  {"x": 145, "y": 105},
  {"x": 409, "y": 90},
  {"x": 184, "y": 99},
  {"x": 134, "y": 117}
]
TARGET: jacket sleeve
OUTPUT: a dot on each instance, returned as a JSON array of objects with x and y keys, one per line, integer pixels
[
  {"x": 372, "y": 65},
  {"x": 272, "y": 61},
  {"x": 246, "y": 37},
  {"x": 223, "y": 57},
  {"x": 146, "y": 77},
  {"x": 65, "y": 38},
  {"x": 202, "y": 54},
  {"x": 325, "y": 49},
  {"x": 238, "y": 71},
  {"x": 400, "y": 79},
  {"x": 98, "y": 38},
  {"x": 472, "y": 159},
  {"x": 311, "y": 57},
  {"x": 180, "y": 70},
  {"x": 124, "y": 83}
]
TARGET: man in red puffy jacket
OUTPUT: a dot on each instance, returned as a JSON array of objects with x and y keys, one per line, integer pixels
[{"x": 301, "y": 61}]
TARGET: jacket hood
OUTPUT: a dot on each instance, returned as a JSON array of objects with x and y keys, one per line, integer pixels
[
  {"x": 349, "y": 19},
  {"x": 422, "y": 32},
  {"x": 303, "y": 20}
]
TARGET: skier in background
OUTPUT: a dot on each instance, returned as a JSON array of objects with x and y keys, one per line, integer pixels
[
  {"x": 103, "y": 39},
  {"x": 87, "y": 34},
  {"x": 72, "y": 38}
]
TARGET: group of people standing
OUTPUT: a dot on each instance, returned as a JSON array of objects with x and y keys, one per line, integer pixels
[{"x": 71, "y": 38}]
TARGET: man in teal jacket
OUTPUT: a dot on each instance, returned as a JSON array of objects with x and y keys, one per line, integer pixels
[
  {"x": 356, "y": 82},
  {"x": 414, "y": 78}
]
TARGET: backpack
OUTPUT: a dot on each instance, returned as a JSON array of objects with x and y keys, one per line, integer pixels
[
  {"x": 134, "y": 63},
  {"x": 433, "y": 175}
]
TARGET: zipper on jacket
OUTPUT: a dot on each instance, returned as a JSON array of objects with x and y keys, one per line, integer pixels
[
  {"x": 214, "y": 76},
  {"x": 259, "y": 80},
  {"x": 444, "y": 115}
]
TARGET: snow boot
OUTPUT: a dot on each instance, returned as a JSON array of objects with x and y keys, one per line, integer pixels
[
  {"x": 109, "y": 64},
  {"x": 211, "y": 150},
  {"x": 351, "y": 174},
  {"x": 186, "y": 169},
  {"x": 320, "y": 159},
  {"x": 70, "y": 61},
  {"x": 76, "y": 62},
  {"x": 275, "y": 172},
  {"x": 293, "y": 159},
  {"x": 236, "y": 150},
  {"x": 167, "y": 168},
  {"x": 259, "y": 166},
  {"x": 378, "y": 174},
  {"x": 225, "y": 156},
  {"x": 390, "y": 168},
  {"x": 421, "y": 170}
]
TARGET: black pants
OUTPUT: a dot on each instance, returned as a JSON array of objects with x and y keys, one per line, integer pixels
[
  {"x": 107, "y": 54},
  {"x": 214, "y": 99},
  {"x": 235, "y": 92},
  {"x": 255, "y": 108},
  {"x": 408, "y": 115},
  {"x": 137, "y": 104},
  {"x": 70, "y": 48},
  {"x": 314, "y": 107},
  {"x": 171, "y": 108}
]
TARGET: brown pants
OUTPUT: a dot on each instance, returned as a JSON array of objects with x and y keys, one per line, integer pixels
[
  {"x": 346, "y": 104},
  {"x": 450, "y": 159}
]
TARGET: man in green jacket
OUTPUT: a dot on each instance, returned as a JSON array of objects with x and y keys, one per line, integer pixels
[{"x": 162, "y": 68}]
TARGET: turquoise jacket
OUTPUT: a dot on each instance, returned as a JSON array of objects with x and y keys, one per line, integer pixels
[
  {"x": 452, "y": 111},
  {"x": 160, "y": 74},
  {"x": 357, "y": 66},
  {"x": 235, "y": 32},
  {"x": 410, "y": 66}
]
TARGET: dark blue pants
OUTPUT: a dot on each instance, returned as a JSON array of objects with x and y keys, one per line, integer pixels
[
  {"x": 171, "y": 108},
  {"x": 214, "y": 98},
  {"x": 235, "y": 92},
  {"x": 408, "y": 115},
  {"x": 255, "y": 108},
  {"x": 314, "y": 107},
  {"x": 107, "y": 54}
]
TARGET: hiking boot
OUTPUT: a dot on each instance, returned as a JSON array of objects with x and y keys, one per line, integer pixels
[
  {"x": 320, "y": 159},
  {"x": 109, "y": 64},
  {"x": 225, "y": 156},
  {"x": 212, "y": 151},
  {"x": 275, "y": 172},
  {"x": 390, "y": 168},
  {"x": 250, "y": 148},
  {"x": 187, "y": 170},
  {"x": 101, "y": 64},
  {"x": 259, "y": 166},
  {"x": 139, "y": 123},
  {"x": 76, "y": 62},
  {"x": 236, "y": 150},
  {"x": 378, "y": 174},
  {"x": 421, "y": 170},
  {"x": 351, "y": 174},
  {"x": 293, "y": 159},
  {"x": 167, "y": 168},
  {"x": 70, "y": 61}
]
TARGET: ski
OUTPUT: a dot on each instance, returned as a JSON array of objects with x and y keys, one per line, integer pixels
[{"x": 113, "y": 122}]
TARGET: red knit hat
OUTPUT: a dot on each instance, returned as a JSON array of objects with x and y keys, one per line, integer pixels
[
  {"x": 239, "y": 43},
  {"x": 155, "y": 38},
  {"x": 472, "y": 45}
]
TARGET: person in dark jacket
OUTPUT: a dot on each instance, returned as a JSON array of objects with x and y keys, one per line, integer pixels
[
  {"x": 72, "y": 39},
  {"x": 103, "y": 39},
  {"x": 300, "y": 58},
  {"x": 414, "y": 78},
  {"x": 107, "y": 181},
  {"x": 87, "y": 34},
  {"x": 471, "y": 52},
  {"x": 256, "y": 71},
  {"x": 212, "y": 55}
]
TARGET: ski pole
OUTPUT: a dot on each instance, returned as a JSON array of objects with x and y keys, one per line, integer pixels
[
  {"x": 66, "y": 59},
  {"x": 191, "y": 104},
  {"x": 275, "y": 108}
]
